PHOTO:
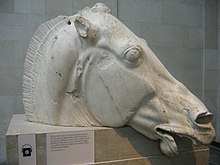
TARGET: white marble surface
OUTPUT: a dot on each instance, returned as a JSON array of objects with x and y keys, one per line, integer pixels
[
  {"x": 112, "y": 146},
  {"x": 12, "y": 47},
  {"x": 90, "y": 70},
  {"x": 20, "y": 125}
]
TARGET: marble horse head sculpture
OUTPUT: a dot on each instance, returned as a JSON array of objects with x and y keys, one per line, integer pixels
[{"x": 89, "y": 69}]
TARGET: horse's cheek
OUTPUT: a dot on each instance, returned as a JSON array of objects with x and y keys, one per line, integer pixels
[{"x": 116, "y": 91}]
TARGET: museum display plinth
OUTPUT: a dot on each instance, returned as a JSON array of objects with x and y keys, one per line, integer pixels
[{"x": 111, "y": 146}]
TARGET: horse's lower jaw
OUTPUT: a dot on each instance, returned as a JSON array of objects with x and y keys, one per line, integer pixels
[
  {"x": 167, "y": 142},
  {"x": 166, "y": 132}
]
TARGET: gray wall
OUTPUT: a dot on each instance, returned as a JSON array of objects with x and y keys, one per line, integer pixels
[
  {"x": 211, "y": 61},
  {"x": 218, "y": 99},
  {"x": 182, "y": 33}
]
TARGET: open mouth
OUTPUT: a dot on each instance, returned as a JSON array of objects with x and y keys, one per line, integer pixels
[
  {"x": 167, "y": 144},
  {"x": 166, "y": 135}
]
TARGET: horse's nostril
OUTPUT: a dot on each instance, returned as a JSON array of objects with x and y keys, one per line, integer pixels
[{"x": 204, "y": 118}]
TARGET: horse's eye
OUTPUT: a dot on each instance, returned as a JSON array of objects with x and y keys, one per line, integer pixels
[{"x": 132, "y": 56}]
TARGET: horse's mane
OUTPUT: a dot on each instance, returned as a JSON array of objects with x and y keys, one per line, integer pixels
[
  {"x": 41, "y": 101},
  {"x": 35, "y": 54}
]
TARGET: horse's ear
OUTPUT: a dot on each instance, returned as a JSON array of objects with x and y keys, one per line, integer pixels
[{"x": 85, "y": 28}]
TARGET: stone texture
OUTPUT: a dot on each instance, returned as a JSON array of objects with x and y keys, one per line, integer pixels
[
  {"x": 22, "y": 6},
  {"x": 211, "y": 59},
  {"x": 35, "y": 20},
  {"x": 214, "y": 155},
  {"x": 112, "y": 146},
  {"x": 179, "y": 58},
  {"x": 199, "y": 158},
  {"x": 12, "y": 53},
  {"x": 6, "y": 6},
  {"x": 41, "y": 149},
  {"x": 79, "y": 5},
  {"x": 153, "y": 10},
  {"x": 52, "y": 9},
  {"x": 130, "y": 146},
  {"x": 211, "y": 16},
  {"x": 135, "y": 26},
  {"x": 6, "y": 111},
  {"x": 66, "y": 75},
  {"x": 14, "y": 33},
  {"x": 211, "y": 80},
  {"x": 191, "y": 78},
  {"x": 18, "y": 105},
  {"x": 164, "y": 35},
  {"x": 3, "y": 148},
  {"x": 211, "y": 101},
  {"x": 195, "y": 37},
  {"x": 12, "y": 149},
  {"x": 211, "y": 3},
  {"x": 198, "y": 3},
  {"x": 181, "y": 14},
  {"x": 37, "y": 8},
  {"x": 218, "y": 102},
  {"x": 13, "y": 19},
  {"x": 10, "y": 79},
  {"x": 211, "y": 38}
]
